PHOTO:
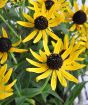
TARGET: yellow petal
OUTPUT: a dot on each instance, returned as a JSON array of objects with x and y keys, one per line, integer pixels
[
  {"x": 66, "y": 42},
  {"x": 44, "y": 75},
  {"x": 73, "y": 27},
  {"x": 37, "y": 70},
  {"x": 25, "y": 24},
  {"x": 38, "y": 37},
  {"x": 76, "y": 6},
  {"x": 30, "y": 36},
  {"x": 38, "y": 57},
  {"x": 7, "y": 76},
  {"x": 4, "y": 33},
  {"x": 69, "y": 76},
  {"x": 1, "y": 54},
  {"x": 16, "y": 44},
  {"x": 43, "y": 55},
  {"x": 35, "y": 63},
  {"x": 13, "y": 49},
  {"x": 4, "y": 58},
  {"x": 46, "y": 48},
  {"x": 3, "y": 70},
  {"x": 45, "y": 37},
  {"x": 61, "y": 79},
  {"x": 54, "y": 80},
  {"x": 57, "y": 47},
  {"x": 51, "y": 34},
  {"x": 28, "y": 17}
]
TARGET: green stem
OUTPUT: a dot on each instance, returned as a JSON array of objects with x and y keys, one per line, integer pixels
[{"x": 10, "y": 27}]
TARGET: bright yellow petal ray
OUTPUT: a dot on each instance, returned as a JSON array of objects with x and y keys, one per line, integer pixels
[
  {"x": 61, "y": 79},
  {"x": 45, "y": 37},
  {"x": 43, "y": 55},
  {"x": 25, "y": 24},
  {"x": 38, "y": 57},
  {"x": 30, "y": 36},
  {"x": 1, "y": 54},
  {"x": 5, "y": 95},
  {"x": 28, "y": 17},
  {"x": 13, "y": 49},
  {"x": 4, "y": 33},
  {"x": 47, "y": 51},
  {"x": 44, "y": 75},
  {"x": 53, "y": 80},
  {"x": 66, "y": 42},
  {"x": 4, "y": 58},
  {"x": 57, "y": 47},
  {"x": 51, "y": 34},
  {"x": 7, "y": 76},
  {"x": 38, "y": 37},
  {"x": 76, "y": 6},
  {"x": 37, "y": 70},
  {"x": 3, "y": 70},
  {"x": 69, "y": 76},
  {"x": 35, "y": 63},
  {"x": 16, "y": 43}
]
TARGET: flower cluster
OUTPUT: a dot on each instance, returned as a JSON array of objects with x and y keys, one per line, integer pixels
[{"x": 64, "y": 56}]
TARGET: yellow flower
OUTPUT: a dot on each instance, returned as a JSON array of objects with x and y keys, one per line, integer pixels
[
  {"x": 5, "y": 88},
  {"x": 7, "y": 46},
  {"x": 57, "y": 64},
  {"x": 56, "y": 6},
  {"x": 2, "y": 3},
  {"x": 42, "y": 25},
  {"x": 78, "y": 16}
]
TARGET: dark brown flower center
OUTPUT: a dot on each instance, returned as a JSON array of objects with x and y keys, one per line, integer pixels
[
  {"x": 5, "y": 44},
  {"x": 48, "y": 4},
  {"x": 79, "y": 17},
  {"x": 54, "y": 61},
  {"x": 41, "y": 23}
]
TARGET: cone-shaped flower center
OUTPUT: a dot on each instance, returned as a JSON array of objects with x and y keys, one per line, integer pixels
[
  {"x": 54, "y": 61},
  {"x": 48, "y": 4},
  {"x": 79, "y": 17},
  {"x": 5, "y": 44},
  {"x": 41, "y": 23}
]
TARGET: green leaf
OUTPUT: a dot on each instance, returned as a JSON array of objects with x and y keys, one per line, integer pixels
[{"x": 74, "y": 93}]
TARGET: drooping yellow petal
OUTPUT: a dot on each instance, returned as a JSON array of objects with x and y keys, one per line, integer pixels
[
  {"x": 47, "y": 51},
  {"x": 7, "y": 76},
  {"x": 28, "y": 17},
  {"x": 61, "y": 79},
  {"x": 4, "y": 58},
  {"x": 35, "y": 63},
  {"x": 43, "y": 55},
  {"x": 16, "y": 43},
  {"x": 4, "y": 33},
  {"x": 38, "y": 57},
  {"x": 13, "y": 49},
  {"x": 51, "y": 34},
  {"x": 3, "y": 70},
  {"x": 25, "y": 24},
  {"x": 30, "y": 36},
  {"x": 38, "y": 37},
  {"x": 37, "y": 70},
  {"x": 57, "y": 47},
  {"x": 53, "y": 80},
  {"x": 44, "y": 75},
  {"x": 66, "y": 42},
  {"x": 69, "y": 76},
  {"x": 45, "y": 37}
]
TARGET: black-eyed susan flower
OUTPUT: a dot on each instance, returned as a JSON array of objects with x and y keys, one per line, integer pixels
[
  {"x": 7, "y": 46},
  {"x": 78, "y": 16},
  {"x": 2, "y": 3},
  {"x": 42, "y": 25},
  {"x": 56, "y": 64},
  {"x": 53, "y": 6},
  {"x": 5, "y": 87}
]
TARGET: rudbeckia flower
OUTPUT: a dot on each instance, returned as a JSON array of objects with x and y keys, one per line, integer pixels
[
  {"x": 5, "y": 88},
  {"x": 42, "y": 25},
  {"x": 7, "y": 46},
  {"x": 56, "y": 6},
  {"x": 78, "y": 16},
  {"x": 56, "y": 64},
  {"x": 2, "y": 3}
]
